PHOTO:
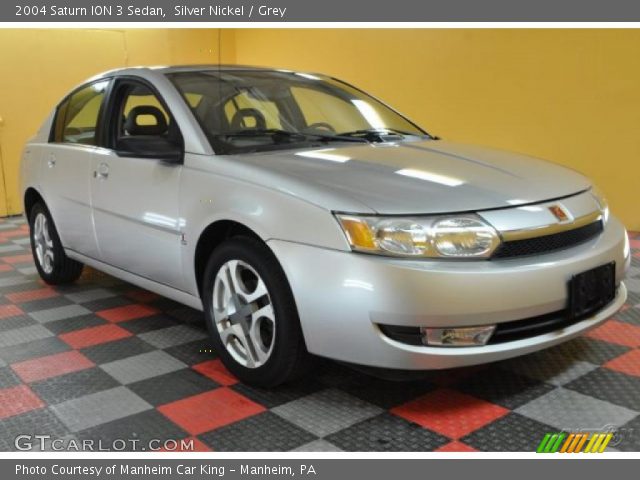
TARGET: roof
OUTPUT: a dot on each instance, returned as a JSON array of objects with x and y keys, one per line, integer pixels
[
  {"x": 190, "y": 68},
  {"x": 163, "y": 69}
]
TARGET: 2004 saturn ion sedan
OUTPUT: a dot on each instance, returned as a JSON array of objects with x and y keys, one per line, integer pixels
[{"x": 304, "y": 216}]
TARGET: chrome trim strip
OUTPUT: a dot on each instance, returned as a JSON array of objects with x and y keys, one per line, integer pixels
[{"x": 523, "y": 234}]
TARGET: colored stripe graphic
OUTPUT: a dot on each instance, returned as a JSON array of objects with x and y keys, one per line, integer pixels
[
  {"x": 605, "y": 442},
  {"x": 550, "y": 443},
  {"x": 583, "y": 439},
  {"x": 543, "y": 443},
  {"x": 556, "y": 446},
  {"x": 592, "y": 441},
  {"x": 574, "y": 442},
  {"x": 567, "y": 442}
]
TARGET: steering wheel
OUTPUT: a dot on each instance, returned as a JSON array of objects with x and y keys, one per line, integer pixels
[{"x": 321, "y": 126}]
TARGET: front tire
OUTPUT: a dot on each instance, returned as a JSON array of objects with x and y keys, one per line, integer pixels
[
  {"x": 251, "y": 314},
  {"x": 51, "y": 261}
]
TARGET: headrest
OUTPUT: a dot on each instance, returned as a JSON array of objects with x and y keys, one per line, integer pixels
[
  {"x": 133, "y": 126},
  {"x": 237, "y": 122}
]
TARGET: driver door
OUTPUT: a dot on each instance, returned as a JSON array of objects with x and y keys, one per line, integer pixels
[{"x": 135, "y": 186}]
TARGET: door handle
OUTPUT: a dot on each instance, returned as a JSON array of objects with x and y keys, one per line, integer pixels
[
  {"x": 102, "y": 173},
  {"x": 52, "y": 161}
]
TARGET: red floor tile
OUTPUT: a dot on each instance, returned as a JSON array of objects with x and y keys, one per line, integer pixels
[
  {"x": 634, "y": 243},
  {"x": 30, "y": 295},
  {"x": 618, "y": 332},
  {"x": 455, "y": 447},
  {"x": 88, "y": 337},
  {"x": 127, "y": 312},
  {"x": 207, "y": 411},
  {"x": 17, "y": 400},
  {"x": 4, "y": 267},
  {"x": 450, "y": 413},
  {"x": 18, "y": 232},
  {"x": 628, "y": 363},
  {"x": 215, "y": 370},
  {"x": 51, "y": 366},
  {"x": 7, "y": 311},
  {"x": 13, "y": 259}
]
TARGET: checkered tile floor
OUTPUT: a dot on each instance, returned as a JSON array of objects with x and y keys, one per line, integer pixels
[{"x": 104, "y": 360}]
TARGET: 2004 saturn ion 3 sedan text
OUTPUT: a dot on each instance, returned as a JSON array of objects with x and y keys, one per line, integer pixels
[{"x": 304, "y": 216}]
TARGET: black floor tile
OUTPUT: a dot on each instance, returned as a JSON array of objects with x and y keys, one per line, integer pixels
[
  {"x": 117, "y": 350},
  {"x": 73, "y": 385},
  {"x": 34, "y": 349},
  {"x": 141, "y": 432},
  {"x": 511, "y": 433},
  {"x": 614, "y": 387},
  {"x": 503, "y": 387},
  {"x": 387, "y": 433},
  {"x": 66, "y": 325},
  {"x": 172, "y": 386},
  {"x": 265, "y": 432},
  {"x": 148, "y": 324}
]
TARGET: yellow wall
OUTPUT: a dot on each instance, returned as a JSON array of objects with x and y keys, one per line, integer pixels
[
  {"x": 570, "y": 96},
  {"x": 37, "y": 67}
]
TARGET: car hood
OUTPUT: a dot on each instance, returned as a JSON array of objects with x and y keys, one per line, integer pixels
[{"x": 419, "y": 177}]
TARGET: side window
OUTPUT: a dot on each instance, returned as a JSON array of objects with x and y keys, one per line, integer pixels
[
  {"x": 250, "y": 112},
  {"x": 142, "y": 126},
  {"x": 77, "y": 118},
  {"x": 142, "y": 97}
]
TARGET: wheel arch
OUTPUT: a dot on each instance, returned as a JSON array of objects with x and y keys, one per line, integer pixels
[
  {"x": 31, "y": 197},
  {"x": 213, "y": 235}
]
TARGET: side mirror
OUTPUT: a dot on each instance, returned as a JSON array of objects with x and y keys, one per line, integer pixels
[{"x": 150, "y": 147}]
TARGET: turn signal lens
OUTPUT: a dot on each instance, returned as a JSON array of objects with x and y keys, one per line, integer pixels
[{"x": 358, "y": 233}]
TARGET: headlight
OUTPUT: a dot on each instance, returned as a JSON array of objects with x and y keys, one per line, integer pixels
[
  {"x": 455, "y": 236},
  {"x": 602, "y": 202}
]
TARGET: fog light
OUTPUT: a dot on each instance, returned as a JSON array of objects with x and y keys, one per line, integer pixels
[{"x": 457, "y": 337}]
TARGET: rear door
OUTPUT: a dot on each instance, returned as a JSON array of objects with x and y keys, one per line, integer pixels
[{"x": 67, "y": 169}]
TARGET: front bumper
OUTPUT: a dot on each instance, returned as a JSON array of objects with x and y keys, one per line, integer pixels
[{"x": 342, "y": 297}]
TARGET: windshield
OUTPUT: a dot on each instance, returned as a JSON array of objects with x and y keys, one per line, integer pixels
[{"x": 250, "y": 111}]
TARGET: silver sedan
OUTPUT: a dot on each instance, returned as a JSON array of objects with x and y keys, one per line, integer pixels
[{"x": 304, "y": 216}]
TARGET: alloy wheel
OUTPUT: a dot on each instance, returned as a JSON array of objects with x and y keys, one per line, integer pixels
[
  {"x": 243, "y": 313},
  {"x": 43, "y": 243}
]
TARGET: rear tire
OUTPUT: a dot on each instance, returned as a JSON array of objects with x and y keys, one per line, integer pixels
[
  {"x": 51, "y": 261},
  {"x": 251, "y": 314}
]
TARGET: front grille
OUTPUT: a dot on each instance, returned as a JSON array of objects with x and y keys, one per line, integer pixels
[
  {"x": 548, "y": 243},
  {"x": 530, "y": 327},
  {"x": 407, "y": 335}
]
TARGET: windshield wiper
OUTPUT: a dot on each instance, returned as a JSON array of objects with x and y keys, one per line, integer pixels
[
  {"x": 260, "y": 132},
  {"x": 336, "y": 138},
  {"x": 274, "y": 132},
  {"x": 378, "y": 133}
]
